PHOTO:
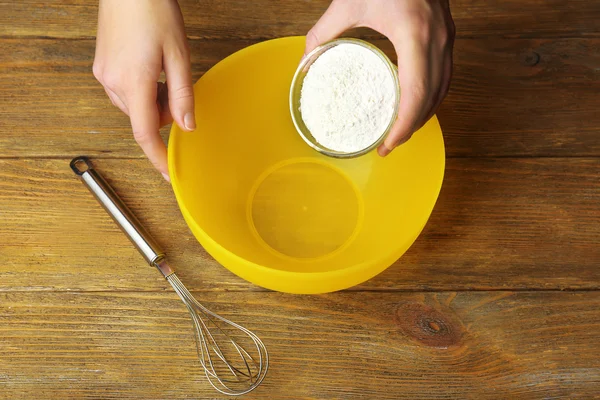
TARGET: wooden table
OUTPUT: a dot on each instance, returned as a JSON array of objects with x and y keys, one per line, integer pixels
[{"x": 498, "y": 298}]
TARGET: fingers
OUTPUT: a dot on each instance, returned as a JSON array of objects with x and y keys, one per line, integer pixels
[
  {"x": 445, "y": 38},
  {"x": 146, "y": 103},
  {"x": 180, "y": 89},
  {"x": 415, "y": 83},
  {"x": 162, "y": 101},
  {"x": 444, "y": 87},
  {"x": 437, "y": 70},
  {"x": 145, "y": 124},
  {"x": 337, "y": 19},
  {"x": 116, "y": 100}
]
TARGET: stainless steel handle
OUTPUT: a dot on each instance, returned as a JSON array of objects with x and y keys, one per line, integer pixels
[{"x": 122, "y": 215}]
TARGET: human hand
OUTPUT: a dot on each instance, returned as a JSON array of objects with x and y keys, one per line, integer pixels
[
  {"x": 422, "y": 32},
  {"x": 137, "y": 40}
]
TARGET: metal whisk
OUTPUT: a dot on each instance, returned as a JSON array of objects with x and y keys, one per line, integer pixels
[{"x": 221, "y": 344}]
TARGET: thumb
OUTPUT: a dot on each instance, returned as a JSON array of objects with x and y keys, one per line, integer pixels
[
  {"x": 180, "y": 90},
  {"x": 337, "y": 19}
]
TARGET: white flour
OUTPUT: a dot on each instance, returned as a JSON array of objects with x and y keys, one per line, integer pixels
[{"x": 347, "y": 98}]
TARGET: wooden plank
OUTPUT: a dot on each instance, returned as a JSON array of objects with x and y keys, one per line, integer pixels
[
  {"x": 499, "y": 224},
  {"x": 509, "y": 97},
  {"x": 343, "y": 346},
  {"x": 526, "y": 97},
  {"x": 235, "y": 19},
  {"x": 53, "y": 105}
]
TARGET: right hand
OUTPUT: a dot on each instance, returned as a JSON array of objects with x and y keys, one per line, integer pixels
[
  {"x": 137, "y": 40},
  {"x": 422, "y": 32}
]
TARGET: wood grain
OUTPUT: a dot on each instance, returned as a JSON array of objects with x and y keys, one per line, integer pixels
[
  {"x": 510, "y": 97},
  {"x": 235, "y": 19},
  {"x": 83, "y": 317},
  {"x": 342, "y": 346},
  {"x": 499, "y": 224}
]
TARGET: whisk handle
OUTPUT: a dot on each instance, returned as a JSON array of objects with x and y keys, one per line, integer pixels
[{"x": 119, "y": 212}]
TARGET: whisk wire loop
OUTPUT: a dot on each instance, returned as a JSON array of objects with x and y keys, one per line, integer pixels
[{"x": 235, "y": 372}]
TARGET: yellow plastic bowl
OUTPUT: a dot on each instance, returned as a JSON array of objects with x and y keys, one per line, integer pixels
[{"x": 276, "y": 212}]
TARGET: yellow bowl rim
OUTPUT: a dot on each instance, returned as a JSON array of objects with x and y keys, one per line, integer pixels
[{"x": 382, "y": 263}]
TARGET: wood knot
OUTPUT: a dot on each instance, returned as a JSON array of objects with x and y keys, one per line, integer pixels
[
  {"x": 428, "y": 325},
  {"x": 531, "y": 59}
]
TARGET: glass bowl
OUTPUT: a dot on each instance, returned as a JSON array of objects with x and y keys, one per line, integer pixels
[{"x": 296, "y": 89}]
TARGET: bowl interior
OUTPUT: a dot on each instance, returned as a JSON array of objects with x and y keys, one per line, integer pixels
[{"x": 272, "y": 209}]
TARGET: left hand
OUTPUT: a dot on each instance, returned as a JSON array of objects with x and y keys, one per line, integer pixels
[{"x": 422, "y": 32}]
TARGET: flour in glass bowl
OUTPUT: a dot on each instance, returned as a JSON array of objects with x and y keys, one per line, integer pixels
[{"x": 347, "y": 98}]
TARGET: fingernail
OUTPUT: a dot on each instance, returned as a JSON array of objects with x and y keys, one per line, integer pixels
[
  {"x": 166, "y": 176},
  {"x": 189, "y": 122},
  {"x": 383, "y": 151}
]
